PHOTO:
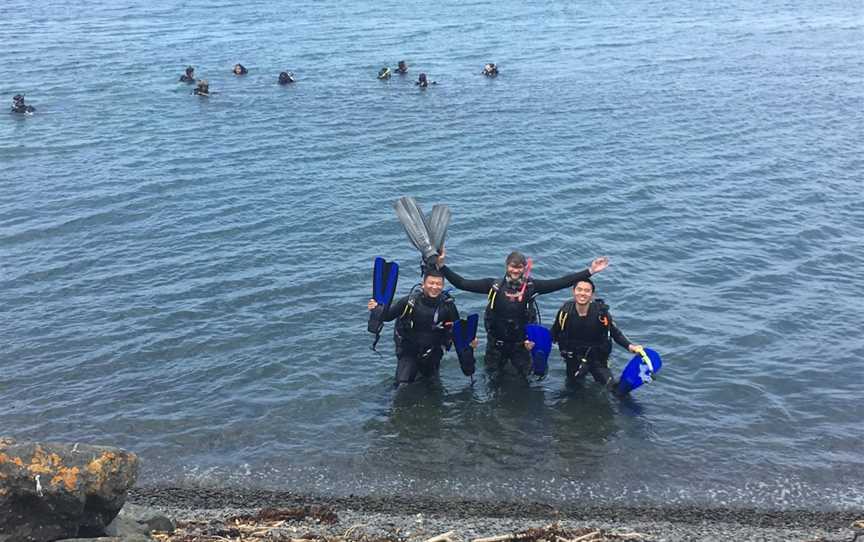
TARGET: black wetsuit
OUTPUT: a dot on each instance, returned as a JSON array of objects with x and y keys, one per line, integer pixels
[
  {"x": 584, "y": 341},
  {"x": 506, "y": 315},
  {"x": 22, "y": 108},
  {"x": 187, "y": 78},
  {"x": 423, "y": 329}
]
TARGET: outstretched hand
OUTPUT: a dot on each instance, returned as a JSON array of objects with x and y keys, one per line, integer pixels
[
  {"x": 636, "y": 348},
  {"x": 372, "y": 304},
  {"x": 599, "y": 264},
  {"x": 440, "y": 261}
]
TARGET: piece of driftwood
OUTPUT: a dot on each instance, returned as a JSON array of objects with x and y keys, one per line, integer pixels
[
  {"x": 499, "y": 538},
  {"x": 585, "y": 537},
  {"x": 443, "y": 537}
]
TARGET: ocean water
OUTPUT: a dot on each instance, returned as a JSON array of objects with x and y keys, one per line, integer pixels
[{"x": 187, "y": 277}]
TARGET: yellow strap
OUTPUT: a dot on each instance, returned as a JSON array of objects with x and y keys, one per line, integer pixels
[
  {"x": 646, "y": 359},
  {"x": 562, "y": 319},
  {"x": 492, "y": 294}
]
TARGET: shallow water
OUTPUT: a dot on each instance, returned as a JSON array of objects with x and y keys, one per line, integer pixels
[{"x": 187, "y": 277}]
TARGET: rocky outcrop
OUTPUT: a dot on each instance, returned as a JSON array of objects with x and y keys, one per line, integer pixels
[{"x": 54, "y": 491}]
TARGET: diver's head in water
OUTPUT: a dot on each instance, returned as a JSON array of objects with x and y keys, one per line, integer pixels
[
  {"x": 203, "y": 87},
  {"x": 384, "y": 73},
  {"x": 402, "y": 67},
  {"x": 433, "y": 283},
  {"x": 422, "y": 80},
  {"x": 286, "y": 78},
  {"x": 189, "y": 71},
  {"x": 583, "y": 292},
  {"x": 18, "y": 99},
  {"x": 490, "y": 70},
  {"x": 515, "y": 264},
  {"x": 240, "y": 69}
]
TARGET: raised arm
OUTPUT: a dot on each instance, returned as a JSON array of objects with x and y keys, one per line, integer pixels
[
  {"x": 479, "y": 286},
  {"x": 553, "y": 285}
]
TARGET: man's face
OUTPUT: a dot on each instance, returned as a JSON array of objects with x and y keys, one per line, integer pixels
[
  {"x": 583, "y": 293},
  {"x": 432, "y": 286},
  {"x": 515, "y": 270}
]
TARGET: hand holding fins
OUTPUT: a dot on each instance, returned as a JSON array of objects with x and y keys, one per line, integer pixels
[
  {"x": 385, "y": 275},
  {"x": 542, "y": 340},
  {"x": 464, "y": 333}
]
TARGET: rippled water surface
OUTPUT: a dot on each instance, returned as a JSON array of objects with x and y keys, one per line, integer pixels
[{"x": 187, "y": 277}]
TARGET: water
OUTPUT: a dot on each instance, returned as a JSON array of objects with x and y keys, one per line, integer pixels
[{"x": 187, "y": 277}]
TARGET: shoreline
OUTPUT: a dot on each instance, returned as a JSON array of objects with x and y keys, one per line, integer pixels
[{"x": 421, "y": 518}]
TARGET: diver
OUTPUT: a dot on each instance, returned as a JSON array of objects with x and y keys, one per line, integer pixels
[
  {"x": 402, "y": 68},
  {"x": 511, "y": 306},
  {"x": 203, "y": 88},
  {"x": 423, "y": 81},
  {"x": 490, "y": 70},
  {"x": 18, "y": 105},
  {"x": 189, "y": 76},
  {"x": 384, "y": 73},
  {"x": 423, "y": 328},
  {"x": 584, "y": 331},
  {"x": 286, "y": 78},
  {"x": 240, "y": 69}
]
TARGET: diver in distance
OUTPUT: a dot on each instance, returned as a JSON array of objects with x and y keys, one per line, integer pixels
[
  {"x": 240, "y": 69},
  {"x": 286, "y": 78},
  {"x": 384, "y": 73},
  {"x": 424, "y": 320},
  {"x": 402, "y": 68},
  {"x": 203, "y": 88},
  {"x": 490, "y": 70},
  {"x": 511, "y": 306},
  {"x": 189, "y": 76},
  {"x": 423, "y": 81},
  {"x": 18, "y": 105},
  {"x": 584, "y": 331}
]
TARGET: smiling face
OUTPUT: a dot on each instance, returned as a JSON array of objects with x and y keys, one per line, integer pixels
[
  {"x": 515, "y": 270},
  {"x": 583, "y": 293},
  {"x": 433, "y": 286}
]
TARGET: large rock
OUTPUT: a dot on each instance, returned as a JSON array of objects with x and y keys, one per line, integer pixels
[
  {"x": 54, "y": 491},
  {"x": 134, "y": 520}
]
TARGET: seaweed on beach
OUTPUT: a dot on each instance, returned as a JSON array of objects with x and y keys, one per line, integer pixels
[
  {"x": 279, "y": 525},
  {"x": 555, "y": 533},
  {"x": 321, "y": 514}
]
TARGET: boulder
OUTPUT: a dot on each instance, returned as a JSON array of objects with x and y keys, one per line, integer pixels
[
  {"x": 135, "y": 519},
  {"x": 54, "y": 491}
]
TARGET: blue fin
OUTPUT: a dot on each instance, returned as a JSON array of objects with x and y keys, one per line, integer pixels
[
  {"x": 384, "y": 278},
  {"x": 465, "y": 331},
  {"x": 542, "y": 339},
  {"x": 637, "y": 372}
]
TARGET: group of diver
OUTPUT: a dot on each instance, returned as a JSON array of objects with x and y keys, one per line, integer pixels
[
  {"x": 427, "y": 321},
  {"x": 202, "y": 86}
]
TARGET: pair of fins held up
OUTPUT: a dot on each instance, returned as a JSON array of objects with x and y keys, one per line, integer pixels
[{"x": 426, "y": 232}]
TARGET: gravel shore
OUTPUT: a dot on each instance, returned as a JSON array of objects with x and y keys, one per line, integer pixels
[{"x": 413, "y": 519}]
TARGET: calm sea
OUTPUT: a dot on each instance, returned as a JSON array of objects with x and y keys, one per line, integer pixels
[{"x": 187, "y": 277}]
